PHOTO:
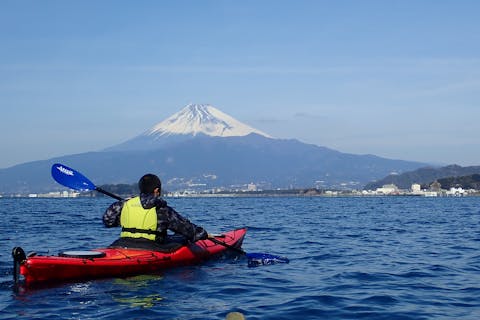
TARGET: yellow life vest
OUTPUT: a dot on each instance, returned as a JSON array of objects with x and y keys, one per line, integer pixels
[{"x": 138, "y": 222}]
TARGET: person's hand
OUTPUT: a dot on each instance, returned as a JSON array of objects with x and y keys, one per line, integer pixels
[{"x": 201, "y": 234}]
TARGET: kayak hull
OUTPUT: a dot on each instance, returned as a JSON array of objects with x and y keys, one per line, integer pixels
[{"x": 120, "y": 262}]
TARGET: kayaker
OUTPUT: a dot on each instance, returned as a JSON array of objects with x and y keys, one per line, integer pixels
[{"x": 146, "y": 218}]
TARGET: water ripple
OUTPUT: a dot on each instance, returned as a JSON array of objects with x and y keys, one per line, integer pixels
[{"x": 351, "y": 258}]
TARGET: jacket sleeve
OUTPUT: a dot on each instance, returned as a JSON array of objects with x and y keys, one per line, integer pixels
[
  {"x": 111, "y": 217},
  {"x": 172, "y": 220}
]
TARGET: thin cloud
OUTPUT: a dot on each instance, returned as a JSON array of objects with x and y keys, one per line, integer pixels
[
  {"x": 434, "y": 65},
  {"x": 306, "y": 115},
  {"x": 451, "y": 88}
]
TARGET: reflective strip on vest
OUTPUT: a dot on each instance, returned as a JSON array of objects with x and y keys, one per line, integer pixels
[{"x": 135, "y": 217}]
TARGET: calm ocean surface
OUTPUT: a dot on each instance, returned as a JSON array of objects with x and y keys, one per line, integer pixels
[{"x": 351, "y": 258}]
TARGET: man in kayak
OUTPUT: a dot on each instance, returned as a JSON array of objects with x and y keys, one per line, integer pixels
[{"x": 146, "y": 218}]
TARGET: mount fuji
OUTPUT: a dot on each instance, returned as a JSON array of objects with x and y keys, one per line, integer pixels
[
  {"x": 194, "y": 120},
  {"x": 200, "y": 146},
  {"x": 197, "y": 119}
]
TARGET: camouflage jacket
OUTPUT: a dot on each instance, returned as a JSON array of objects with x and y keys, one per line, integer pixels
[{"x": 167, "y": 218}]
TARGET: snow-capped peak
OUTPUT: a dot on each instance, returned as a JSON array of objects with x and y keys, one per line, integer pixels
[{"x": 202, "y": 118}]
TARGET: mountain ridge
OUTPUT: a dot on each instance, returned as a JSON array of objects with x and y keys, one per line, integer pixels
[
  {"x": 424, "y": 175},
  {"x": 192, "y": 120},
  {"x": 202, "y": 118},
  {"x": 215, "y": 162},
  {"x": 185, "y": 161}
]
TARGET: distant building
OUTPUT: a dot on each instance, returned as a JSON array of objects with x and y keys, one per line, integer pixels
[
  {"x": 456, "y": 192},
  {"x": 416, "y": 188},
  {"x": 57, "y": 194},
  {"x": 436, "y": 186},
  {"x": 387, "y": 189}
]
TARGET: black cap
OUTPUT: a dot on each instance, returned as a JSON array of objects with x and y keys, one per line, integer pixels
[{"x": 148, "y": 183}]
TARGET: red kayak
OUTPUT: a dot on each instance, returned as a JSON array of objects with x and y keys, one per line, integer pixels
[{"x": 117, "y": 262}]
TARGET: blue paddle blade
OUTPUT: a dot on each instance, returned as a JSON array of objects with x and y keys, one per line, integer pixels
[
  {"x": 257, "y": 259},
  {"x": 71, "y": 178}
]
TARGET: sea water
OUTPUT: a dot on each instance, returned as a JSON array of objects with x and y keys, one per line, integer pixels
[{"x": 350, "y": 258}]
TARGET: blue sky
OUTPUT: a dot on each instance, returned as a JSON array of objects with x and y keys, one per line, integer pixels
[{"x": 398, "y": 79}]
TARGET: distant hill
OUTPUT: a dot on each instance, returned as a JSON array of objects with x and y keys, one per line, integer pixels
[
  {"x": 466, "y": 182},
  {"x": 423, "y": 176},
  {"x": 201, "y": 147}
]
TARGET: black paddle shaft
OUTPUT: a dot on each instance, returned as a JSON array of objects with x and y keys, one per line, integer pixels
[
  {"x": 226, "y": 245},
  {"x": 108, "y": 193}
]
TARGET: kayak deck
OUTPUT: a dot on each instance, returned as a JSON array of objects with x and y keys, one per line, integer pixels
[{"x": 118, "y": 262}]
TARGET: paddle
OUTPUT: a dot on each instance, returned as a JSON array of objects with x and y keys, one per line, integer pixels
[
  {"x": 254, "y": 259},
  {"x": 73, "y": 179}
]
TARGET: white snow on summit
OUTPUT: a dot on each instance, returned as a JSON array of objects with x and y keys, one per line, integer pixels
[{"x": 201, "y": 118}]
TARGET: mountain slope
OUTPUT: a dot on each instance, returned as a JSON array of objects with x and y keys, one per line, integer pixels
[
  {"x": 280, "y": 163},
  {"x": 201, "y": 146},
  {"x": 197, "y": 118},
  {"x": 466, "y": 182},
  {"x": 215, "y": 162},
  {"x": 423, "y": 175},
  {"x": 193, "y": 120}
]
